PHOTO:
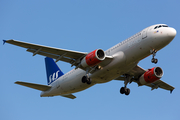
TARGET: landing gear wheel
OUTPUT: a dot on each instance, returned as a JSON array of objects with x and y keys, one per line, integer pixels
[
  {"x": 122, "y": 90},
  {"x": 84, "y": 79},
  {"x": 154, "y": 60},
  {"x": 125, "y": 91},
  {"x": 88, "y": 81}
]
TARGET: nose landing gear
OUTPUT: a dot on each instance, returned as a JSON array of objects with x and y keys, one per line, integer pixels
[{"x": 154, "y": 60}]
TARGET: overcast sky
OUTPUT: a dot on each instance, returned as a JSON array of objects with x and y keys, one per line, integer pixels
[{"x": 83, "y": 25}]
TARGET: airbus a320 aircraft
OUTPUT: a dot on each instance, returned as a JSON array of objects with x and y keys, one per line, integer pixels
[{"x": 117, "y": 63}]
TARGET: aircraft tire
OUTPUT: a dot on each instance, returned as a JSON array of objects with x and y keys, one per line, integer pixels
[
  {"x": 155, "y": 61},
  {"x": 122, "y": 90},
  {"x": 88, "y": 81},
  {"x": 127, "y": 91},
  {"x": 84, "y": 79}
]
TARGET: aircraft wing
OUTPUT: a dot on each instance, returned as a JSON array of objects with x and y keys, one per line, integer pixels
[
  {"x": 56, "y": 53},
  {"x": 69, "y": 56},
  {"x": 138, "y": 71}
]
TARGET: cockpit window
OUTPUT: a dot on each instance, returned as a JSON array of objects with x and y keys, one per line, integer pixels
[
  {"x": 164, "y": 25},
  {"x": 160, "y": 26},
  {"x": 156, "y": 27}
]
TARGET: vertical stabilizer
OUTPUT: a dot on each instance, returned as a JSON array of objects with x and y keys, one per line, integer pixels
[{"x": 52, "y": 70}]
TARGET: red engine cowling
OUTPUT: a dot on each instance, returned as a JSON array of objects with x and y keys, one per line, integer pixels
[
  {"x": 151, "y": 76},
  {"x": 93, "y": 58}
]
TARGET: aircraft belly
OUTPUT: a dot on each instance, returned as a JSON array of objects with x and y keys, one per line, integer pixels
[
  {"x": 73, "y": 83},
  {"x": 116, "y": 68}
]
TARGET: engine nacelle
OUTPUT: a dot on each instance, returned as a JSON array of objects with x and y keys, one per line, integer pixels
[
  {"x": 151, "y": 76},
  {"x": 93, "y": 58}
]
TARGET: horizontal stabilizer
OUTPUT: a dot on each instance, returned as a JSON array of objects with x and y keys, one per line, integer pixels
[
  {"x": 71, "y": 96},
  {"x": 34, "y": 86}
]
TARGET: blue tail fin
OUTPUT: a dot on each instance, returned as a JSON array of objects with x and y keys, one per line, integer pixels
[{"x": 52, "y": 70}]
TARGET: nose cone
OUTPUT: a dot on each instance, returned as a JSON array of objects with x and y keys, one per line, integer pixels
[{"x": 171, "y": 33}]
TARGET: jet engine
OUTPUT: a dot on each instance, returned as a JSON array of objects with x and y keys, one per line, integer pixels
[
  {"x": 151, "y": 76},
  {"x": 93, "y": 58}
]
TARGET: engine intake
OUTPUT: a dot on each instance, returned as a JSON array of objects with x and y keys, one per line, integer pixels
[
  {"x": 151, "y": 76},
  {"x": 93, "y": 58}
]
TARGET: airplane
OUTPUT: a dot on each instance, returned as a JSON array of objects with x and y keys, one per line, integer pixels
[{"x": 119, "y": 62}]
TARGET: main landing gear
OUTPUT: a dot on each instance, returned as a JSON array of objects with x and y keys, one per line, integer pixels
[
  {"x": 154, "y": 60},
  {"x": 125, "y": 90},
  {"x": 86, "y": 79}
]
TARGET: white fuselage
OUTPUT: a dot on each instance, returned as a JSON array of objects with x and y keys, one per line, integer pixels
[{"x": 126, "y": 55}]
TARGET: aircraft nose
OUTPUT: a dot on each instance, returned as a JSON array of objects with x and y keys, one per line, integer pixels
[{"x": 171, "y": 32}]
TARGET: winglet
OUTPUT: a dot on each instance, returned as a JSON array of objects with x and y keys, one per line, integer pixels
[
  {"x": 4, "y": 41},
  {"x": 171, "y": 91}
]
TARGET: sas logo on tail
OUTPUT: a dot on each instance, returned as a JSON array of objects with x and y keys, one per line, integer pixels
[{"x": 53, "y": 77}]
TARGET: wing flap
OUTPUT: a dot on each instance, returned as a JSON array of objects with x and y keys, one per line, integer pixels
[
  {"x": 34, "y": 86},
  {"x": 55, "y": 56}
]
